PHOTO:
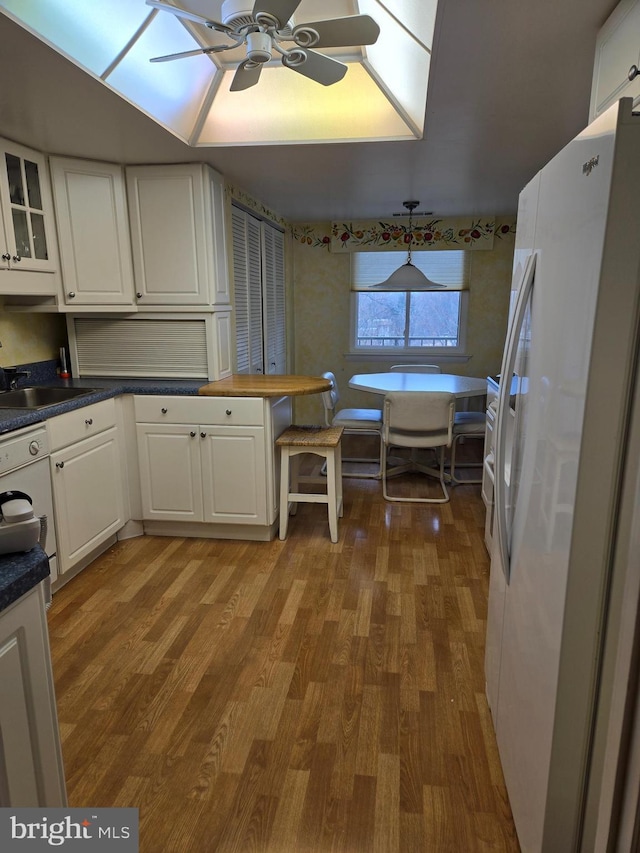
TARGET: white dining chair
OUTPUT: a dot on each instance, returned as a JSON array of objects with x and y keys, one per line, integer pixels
[
  {"x": 415, "y": 368},
  {"x": 418, "y": 420},
  {"x": 355, "y": 422},
  {"x": 466, "y": 425}
]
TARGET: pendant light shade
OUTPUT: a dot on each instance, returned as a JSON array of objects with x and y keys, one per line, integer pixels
[{"x": 408, "y": 276}]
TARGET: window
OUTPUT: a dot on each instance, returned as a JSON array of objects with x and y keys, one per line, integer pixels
[{"x": 416, "y": 322}]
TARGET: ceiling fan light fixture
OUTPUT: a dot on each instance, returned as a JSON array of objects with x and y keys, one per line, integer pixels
[{"x": 408, "y": 276}]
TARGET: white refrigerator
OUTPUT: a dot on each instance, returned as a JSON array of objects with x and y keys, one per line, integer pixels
[{"x": 562, "y": 457}]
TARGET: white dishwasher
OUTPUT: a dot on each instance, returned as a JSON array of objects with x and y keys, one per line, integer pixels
[{"x": 24, "y": 466}]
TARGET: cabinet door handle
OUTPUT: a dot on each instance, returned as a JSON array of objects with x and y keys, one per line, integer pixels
[
  {"x": 192, "y": 434},
  {"x": 203, "y": 435},
  {"x": 71, "y": 295},
  {"x": 17, "y": 259},
  {"x": 164, "y": 411},
  {"x": 633, "y": 72},
  {"x": 6, "y": 256},
  {"x": 138, "y": 296},
  {"x": 228, "y": 411},
  {"x": 88, "y": 421},
  {"x": 59, "y": 464}
]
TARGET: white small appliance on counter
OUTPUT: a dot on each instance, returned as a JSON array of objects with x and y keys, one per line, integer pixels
[{"x": 20, "y": 528}]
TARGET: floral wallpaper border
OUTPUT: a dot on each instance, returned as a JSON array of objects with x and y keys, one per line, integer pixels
[
  {"x": 253, "y": 204},
  {"x": 467, "y": 233},
  {"x": 369, "y": 235},
  {"x": 459, "y": 233}
]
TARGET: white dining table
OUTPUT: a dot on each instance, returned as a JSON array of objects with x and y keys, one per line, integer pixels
[{"x": 383, "y": 383}]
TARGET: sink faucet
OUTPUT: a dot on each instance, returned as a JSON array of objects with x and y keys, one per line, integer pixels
[{"x": 11, "y": 376}]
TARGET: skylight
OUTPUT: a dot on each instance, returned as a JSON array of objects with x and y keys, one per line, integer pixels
[{"x": 382, "y": 96}]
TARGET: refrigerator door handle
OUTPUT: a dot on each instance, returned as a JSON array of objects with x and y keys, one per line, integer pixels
[{"x": 503, "y": 534}]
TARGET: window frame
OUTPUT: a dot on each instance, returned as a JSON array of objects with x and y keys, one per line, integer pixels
[{"x": 442, "y": 353}]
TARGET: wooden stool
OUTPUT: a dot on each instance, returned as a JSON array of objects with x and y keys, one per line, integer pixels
[{"x": 322, "y": 441}]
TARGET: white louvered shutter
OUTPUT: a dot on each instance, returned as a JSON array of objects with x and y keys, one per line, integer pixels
[
  {"x": 274, "y": 299},
  {"x": 241, "y": 290},
  {"x": 247, "y": 284},
  {"x": 255, "y": 294}
]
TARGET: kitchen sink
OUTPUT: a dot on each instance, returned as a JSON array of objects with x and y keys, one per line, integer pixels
[{"x": 40, "y": 396}]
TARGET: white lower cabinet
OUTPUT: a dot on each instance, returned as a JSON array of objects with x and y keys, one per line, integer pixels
[
  {"x": 202, "y": 472},
  {"x": 31, "y": 772},
  {"x": 86, "y": 476},
  {"x": 210, "y": 460},
  {"x": 234, "y": 487},
  {"x": 170, "y": 479}
]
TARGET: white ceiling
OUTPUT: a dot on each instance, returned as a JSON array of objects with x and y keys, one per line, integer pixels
[{"x": 509, "y": 86}]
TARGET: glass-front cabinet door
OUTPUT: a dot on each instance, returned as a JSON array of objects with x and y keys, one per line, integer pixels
[{"x": 25, "y": 197}]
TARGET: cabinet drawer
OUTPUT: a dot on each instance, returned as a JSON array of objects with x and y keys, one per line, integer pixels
[
  {"x": 236, "y": 411},
  {"x": 81, "y": 423}
]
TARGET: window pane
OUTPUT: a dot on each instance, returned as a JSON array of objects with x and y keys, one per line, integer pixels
[
  {"x": 33, "y": 184},
  {"x": 380, "y": 320},
  {"x": 434, "y": 319},
  {"x": 21, "y": 230},
  {"x": 14, "y": 176},
  {"x": 39, "y": 238}
]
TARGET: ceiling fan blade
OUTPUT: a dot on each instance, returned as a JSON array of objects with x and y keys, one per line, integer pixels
[
  {"x": 245, "y": 77},
  {"x": 320, "y": 68},
  {"x": 188, "y": 16},
  {"x": 171, "y": 56},
  {"x": 342, "y": 32},
  {"x": 280, "y": 9}
]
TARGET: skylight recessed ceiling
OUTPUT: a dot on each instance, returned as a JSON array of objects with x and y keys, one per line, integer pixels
[{"x": 381, "y": 96}]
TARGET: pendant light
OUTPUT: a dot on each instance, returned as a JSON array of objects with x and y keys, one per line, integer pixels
[{"x": 408, "y": 276}]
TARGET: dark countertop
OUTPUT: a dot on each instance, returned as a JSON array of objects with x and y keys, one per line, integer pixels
[
  {"x": 21, "y": 572},
  {"x": 12, "y": 419}
]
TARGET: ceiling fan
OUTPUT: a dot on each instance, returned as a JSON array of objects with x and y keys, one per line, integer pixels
[{"x": 264, "y": 27}]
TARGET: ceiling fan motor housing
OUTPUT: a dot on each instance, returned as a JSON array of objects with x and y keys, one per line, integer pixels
[
  {"x": 259, "y": 47},
  {"x": 237, "y": 13}
]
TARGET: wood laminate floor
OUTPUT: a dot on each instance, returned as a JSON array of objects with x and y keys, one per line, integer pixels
[{"x": 289, "y": 697}]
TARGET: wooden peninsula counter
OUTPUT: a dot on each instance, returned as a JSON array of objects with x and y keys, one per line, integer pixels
[
  {"x": 208, "y": 463},
  {"x": 258, "y": 385}
]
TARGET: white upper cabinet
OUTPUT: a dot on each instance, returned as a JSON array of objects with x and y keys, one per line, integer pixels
[
  {"x": 617, "y": 58},
  {"x": 27, "y": 230},
  {"x": 93, "y": 230},
  {"x": 177, "y": 233}
]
